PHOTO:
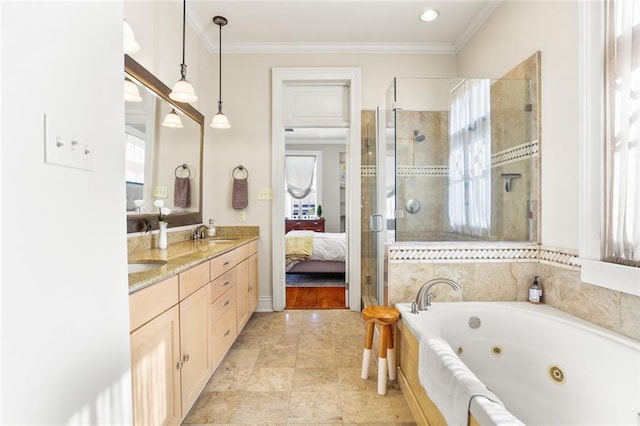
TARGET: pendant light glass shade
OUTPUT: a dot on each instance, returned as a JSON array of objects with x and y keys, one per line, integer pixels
[
  {"x": 131, "y": 92},
  {"x": 172, "y": 120},
  {"x": 220, "y": 121},
  {"x": 183, "y": 90},
  {"x": 130, "y": 43}
]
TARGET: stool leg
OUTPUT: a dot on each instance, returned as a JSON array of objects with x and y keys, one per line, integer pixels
[
  {"x": 366, "y": 354},
  {"x": 382, "y": 359},
  {"x": 391, "y": 355}
]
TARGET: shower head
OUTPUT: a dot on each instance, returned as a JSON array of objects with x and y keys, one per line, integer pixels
[{"x": 417, "y": 136}]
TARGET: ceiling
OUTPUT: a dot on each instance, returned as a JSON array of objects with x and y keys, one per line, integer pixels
[{"x": 335, "y": 26}]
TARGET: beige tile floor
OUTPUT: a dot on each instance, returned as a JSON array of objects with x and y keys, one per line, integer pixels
[{"x": 298, "y": 367}]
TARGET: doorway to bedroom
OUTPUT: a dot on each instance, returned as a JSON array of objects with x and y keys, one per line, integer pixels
[
  {"x": 315, "y": 121},
  {"x": 315, "y": 217}
]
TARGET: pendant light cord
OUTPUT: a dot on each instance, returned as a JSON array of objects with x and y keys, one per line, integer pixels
[
  {"x": 220, "y": 70},
  {"x": 183, "y": 67}
]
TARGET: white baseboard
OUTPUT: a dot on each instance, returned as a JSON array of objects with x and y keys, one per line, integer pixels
[{"x": 265, "y": 304}]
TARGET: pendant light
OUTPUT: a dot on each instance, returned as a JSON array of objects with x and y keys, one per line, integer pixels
[
  {"x": 172, "y": 120},
  {"x": 131, "y": 92},
  {"x": 183, "y": 90},
  {"x": 220, "y": 121},
  {"x": 130, "y": 43}
]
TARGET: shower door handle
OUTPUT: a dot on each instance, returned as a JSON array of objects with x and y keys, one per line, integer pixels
[{"x": 376, "y": 222}]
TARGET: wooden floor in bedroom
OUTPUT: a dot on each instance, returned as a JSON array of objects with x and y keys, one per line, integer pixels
[{"x": 315, "y": 297}]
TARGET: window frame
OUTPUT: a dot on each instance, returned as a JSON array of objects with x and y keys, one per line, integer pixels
[
  {"x": 318, "y": 172},
  {"x": 591, "y": 101}
]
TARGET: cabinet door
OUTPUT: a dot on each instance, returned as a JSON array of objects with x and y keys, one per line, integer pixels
[
  {"x": 242, "y": 288},
  {"x": 253, "y": 283},
  {"x": 155, "y": 351},
  {"x": 196, "y": 366}
]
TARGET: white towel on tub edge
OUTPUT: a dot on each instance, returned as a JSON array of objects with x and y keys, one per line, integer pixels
[{"x": 448, "y": 381}]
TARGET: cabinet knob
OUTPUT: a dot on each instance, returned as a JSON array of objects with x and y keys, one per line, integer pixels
[
  {"x": 185, "y": 357},
  {"x": 180, "y": 364},
  {"x": 226, "y": 283},
  {"x": 227, "y": 332},
  {"x": 226, "y": 303},
  {"x": 250, "y": 288}
]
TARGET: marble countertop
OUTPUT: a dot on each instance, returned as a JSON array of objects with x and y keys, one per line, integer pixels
[{"x": 179, "y": 257}]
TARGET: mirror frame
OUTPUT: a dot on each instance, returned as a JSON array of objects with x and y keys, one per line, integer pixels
[{"x": 139, "y": 222}]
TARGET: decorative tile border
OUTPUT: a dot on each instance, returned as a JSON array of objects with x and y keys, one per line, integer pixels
[
  {"x": 481, "y": 253},
  {"x": 517, "y": 153}
]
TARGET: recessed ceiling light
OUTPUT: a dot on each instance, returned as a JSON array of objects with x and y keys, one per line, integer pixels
[{"x": 429, "y": 15}]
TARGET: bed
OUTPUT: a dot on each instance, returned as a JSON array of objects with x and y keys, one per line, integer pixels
[{"x": 309, "y": 252}]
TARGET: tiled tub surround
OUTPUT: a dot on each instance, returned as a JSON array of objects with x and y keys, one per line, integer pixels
[{"x": 504, "y": 272}]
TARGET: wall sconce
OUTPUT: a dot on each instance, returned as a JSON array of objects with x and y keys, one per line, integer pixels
[
  {"x": 131, "y": 92},
  {"x": 220, "y": 121},
  {"x": 183, "y": 90},
  {"x": 172, "y": 120},
  {"x": 130, "y": 43}
]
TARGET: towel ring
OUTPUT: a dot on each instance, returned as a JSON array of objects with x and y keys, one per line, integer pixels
[
  {"x": 240, "y": 169},
  {"x": 183, "y": 167}
]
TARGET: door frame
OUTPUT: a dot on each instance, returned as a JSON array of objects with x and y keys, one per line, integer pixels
[{"x": 350, "y": 76}]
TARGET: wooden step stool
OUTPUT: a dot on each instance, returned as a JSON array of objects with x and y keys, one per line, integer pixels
[{"x": 386, "y": 317}]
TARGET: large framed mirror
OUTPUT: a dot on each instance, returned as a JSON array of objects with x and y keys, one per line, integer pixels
[{"x": 164, "y": 147}]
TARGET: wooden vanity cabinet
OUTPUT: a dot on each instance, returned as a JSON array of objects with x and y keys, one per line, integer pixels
[
  {"x": 247, "y": 294},
  {"x": 195, "y": 364},
  {"x": 181, "y": 329},
  {"x": 155, "y": 353}
]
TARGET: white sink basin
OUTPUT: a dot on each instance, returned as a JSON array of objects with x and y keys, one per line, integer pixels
[{"x": 144, "y": 266}]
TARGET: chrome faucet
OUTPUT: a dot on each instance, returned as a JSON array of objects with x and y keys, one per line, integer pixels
[
  {"x": 424, "y": 297},
  {"x": 200, "y": 232}
]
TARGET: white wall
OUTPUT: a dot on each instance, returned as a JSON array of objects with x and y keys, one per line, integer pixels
[
  {"x": 247, "y": 103},
  {"x": 512, "y": 33},
  {"x": 65, "y": 322}
]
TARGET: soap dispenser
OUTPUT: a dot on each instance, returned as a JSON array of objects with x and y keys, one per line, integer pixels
[
  {"x": 535, "y": 291},
  {"x": 212, "y": 229}
]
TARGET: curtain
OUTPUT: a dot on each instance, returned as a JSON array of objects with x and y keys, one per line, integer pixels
[
  {"x": 470, "y": 158},
  {"x": 622, "y": 132},
  {"x": 299, "y": 171}
]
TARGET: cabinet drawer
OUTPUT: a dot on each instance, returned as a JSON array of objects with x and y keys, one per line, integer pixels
[
  {"x": 223, "y": 283},
  {"x": 242, "y": 253},
  {"x": 222, "y": 263},
  {"x": 225, "y": 303},
  {"x": 224, "y": 334},
  {"x": 148, "y": 303},
  {"x": 192, "y": 279}
]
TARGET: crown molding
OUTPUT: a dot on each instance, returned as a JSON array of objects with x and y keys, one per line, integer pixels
[
  {"x": 404, "y": 48},
  {"x": 482, "y": 16}
]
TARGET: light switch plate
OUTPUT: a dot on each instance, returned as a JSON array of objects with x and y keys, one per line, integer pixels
[
  {"x": 265, "y": 194},
  {"x": 242, "y": 216},
  {"x": 67, "y": 144}
]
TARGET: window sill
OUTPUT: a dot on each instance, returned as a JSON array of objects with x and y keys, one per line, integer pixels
[{"x": 625, "y": 279}]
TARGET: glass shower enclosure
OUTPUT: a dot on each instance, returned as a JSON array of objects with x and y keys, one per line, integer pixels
[{"x": 455, "y": 160}]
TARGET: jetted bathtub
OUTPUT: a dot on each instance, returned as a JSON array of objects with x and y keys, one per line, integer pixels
[{"x": 547, "y": 367}]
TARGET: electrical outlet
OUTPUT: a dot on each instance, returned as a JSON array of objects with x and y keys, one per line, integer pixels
[
  {"x": 265, "y": 194},
  {"x": 242, "y": 216},
  {"x": 159, "y": 191}
]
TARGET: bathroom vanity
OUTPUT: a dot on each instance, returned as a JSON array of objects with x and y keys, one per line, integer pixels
[{"x": 186, "y": 310}]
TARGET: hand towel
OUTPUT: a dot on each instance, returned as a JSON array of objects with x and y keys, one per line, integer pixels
[
  {"x": 448, "y": 381},
  {"x": 182, "y": 192},
  {"x": 240, "y": 199}
]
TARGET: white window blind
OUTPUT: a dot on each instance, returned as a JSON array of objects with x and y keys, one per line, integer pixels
[{"x": 622, "y": 132}]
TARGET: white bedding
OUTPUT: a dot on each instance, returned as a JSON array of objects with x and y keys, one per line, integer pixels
[{"x": 327, "y": 246}]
